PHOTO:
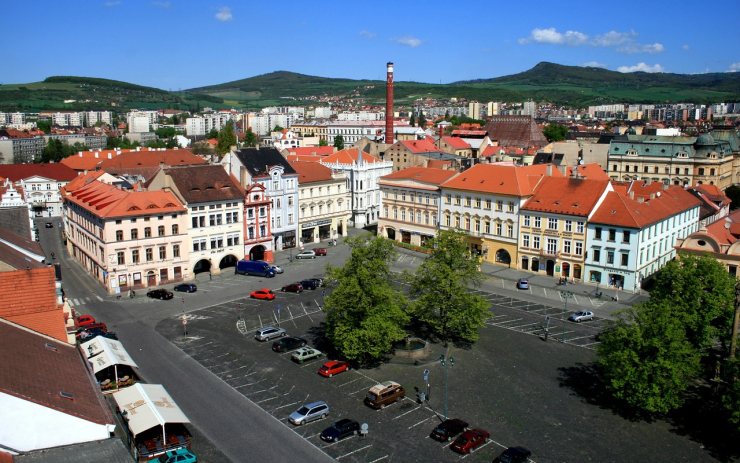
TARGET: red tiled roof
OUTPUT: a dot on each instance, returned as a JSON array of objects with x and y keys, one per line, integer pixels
[
  {"x": 566, "y": 195},
  {"x": 16, "y": 172},
  {"x": 311, "y": 150},
  {"x": 712, "y": 192},
  {"x": 456, "y": 143},
  {"x": 42, "y": 368},
  {"x": 304, "y": 157},
  {"x": 469, "y": 133},
  {"x": 152, "y": 158},
  {"x": 438, "y": 163},
  {"x": 515, "y": 131},
  {"x": 35, "y": 307},
  {"x": 592, "y": 171},
  {"x": 309, "y": 172},
  {"x": 89, "y": 160},
  {"x": 348, "y": 156},
  {"x": 489, "y": 151},
  {"x": 724, "y": 231},
  {"x": 421, "y": 174},
  {"x": 107, "y": 201},
  {"x": 419, "y": 146},
  {"x": 650, "y": 204},
  {"x": 501, "y": 179}
]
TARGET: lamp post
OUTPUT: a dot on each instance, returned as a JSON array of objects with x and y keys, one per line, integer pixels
[
  {"x": 565, "y": 295},
  {"x": 447, "y": 363}
]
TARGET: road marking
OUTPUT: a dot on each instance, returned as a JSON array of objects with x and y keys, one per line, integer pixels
[
  {"x": 580, "y": 337},
  {"x": 286, "y": 405},
  {"x": 349, "y": 382},
  {"x": 354, "y": 451},
  {"x": 359, "y": 390},
  {"x": 422, "y": 421},
  {"x": 406, "y": 413},
  {"x": 522, "y": 326},
  {"x": 99, "y": 298},
  {"x": 265, "y": 400},
  {"x": 378, "y": 459}
]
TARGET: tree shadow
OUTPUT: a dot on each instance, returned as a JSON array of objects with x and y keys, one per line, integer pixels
[{"x": 701, "y": 419}]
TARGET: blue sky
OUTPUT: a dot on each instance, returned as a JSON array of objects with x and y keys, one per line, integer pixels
[{"x": 178, "y": 44}]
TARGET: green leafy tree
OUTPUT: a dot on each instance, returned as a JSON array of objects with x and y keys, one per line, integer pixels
[
  {"x": 250, "y": 139},
  {"x": 277, "y": 128},
  {"x": 323, "y": 142},
  {"x": 226, "y": 139},
  {"x": 422, "y": 120},
  {"x": 53, "y": 151},
  {"x": 555, "y": 132},
  {"x": 412, "y": 120},
  {"x": 339, "y": 142},
  {"x": 731, "y": 397},
  {"x": 701, "y": 293},
  {"x": 165, "y": 132},
  {"x": 44, "y": 125},
  {"x": 202, "y": 147},
  {"x": 365, "y": 315},
  {"x": 440, "y": 286},
  {"x": 646, "y": 361},
  {"x": 213, "y": 133}
]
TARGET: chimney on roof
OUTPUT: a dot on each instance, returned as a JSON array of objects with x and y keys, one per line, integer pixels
[
  {"x": 652, "y": 196},
  {"x": 641, "y": 199},
  {"x": 665, "y": 187},
  {"x": 96, "y": 155},
  {"x": 632, "y": 194},
  {"x": 648, "y": 181},
  {"x": 549, "y": 170},
  {"x": 563, "y": 169}
]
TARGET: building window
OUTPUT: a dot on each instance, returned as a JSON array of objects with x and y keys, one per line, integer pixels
[
  {"x": 499, "y": 229},
  {"x": 535, "y": 242},
  {"x": 597, "y": 233},
  {"x": 135, "y": 256},
  {"x": 579, "y": 227},
  {"x": 525, "y": 240},
  {"x": 566, "y": 246},
  {"x": 610, "y": 257},
  {"x": 121, "y": 258},
  {"x": 597, "y": 255},
  {"x": 488, "y": 204},
  {"x": 147, "y": 232},
  {"x": 537, "y": 222},
  {"x": 579, "y": 248},
  {"x": 552, "y": 245},
  {"x": 163, "y": 252},
  {"x": 160, "y": 230},
  {"x": 626, "y": 237},
  {"x": 612, "y": 234},
  {"x": 176, "y": 250},
  {"x": 217, "y": 242},
  {"x": 477, "y": 203},
  {"x": 134, "y": 234},
  {"x": 625, "y": 259},
  {"x": 175, "y": 229},
  {"x": 215, "y": 219},
  {"x": 568, "y": 225},
  {"x": 119, "y": 235},
  {"x": 527, "y": 220},
  {"x": 552, "y": 223},
  {"x": 488, "y": 227},
  {"x": 149, "y": 254},
  {"x": 250, "y": 233},
  {"x": 499, "y": 205}
]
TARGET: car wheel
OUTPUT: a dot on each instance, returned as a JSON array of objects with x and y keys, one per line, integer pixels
[
  {"x": 323, "y": 415},
  {"x": 578, "y": 320}
]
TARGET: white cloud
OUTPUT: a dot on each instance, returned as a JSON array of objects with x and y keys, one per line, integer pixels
[
  {"x": 224, "y": 14},
  {"x": 111, "y": 3},
  {"x": 409, "y": 41},
  {"x": 593, "y": 64},
  {"x": 685, "y": 46},
  {"x": 641, "y": 67},
  {"x": 625, "y": 42},
  {"x": 734, "y": 67},
  {"x": 367, "y": 34}
]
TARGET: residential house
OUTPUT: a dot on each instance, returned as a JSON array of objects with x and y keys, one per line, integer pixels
[
  {"x": 416, "y": 153},
  {"x": 258, "y": 244},
  {"x": 411, "y": 203},
  {"x": 715, "y": 204},
  {"x": 485, "y": 201},
  {"x": 269, "y": 168},
  {"x": 40, "y": 184},
  {"x": 631, "y": 234},
  {"x": 553, "y": 225},
  {"x": 126, "y": 239},
  {"x": 215, "y": 209},
  {"x": 520, "y": 131},
  {"x": 455, "y": 145},
  {"x": 20, "y": 147},
  {"x": 323, "y": 201},
  {"x": 719, "y": 239},
  {"x": 142, "y": 164}
]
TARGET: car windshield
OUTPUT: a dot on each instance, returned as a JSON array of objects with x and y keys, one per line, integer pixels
[
  {"x": 303, "y": 410},
  {"x": 371, "y": 396}
]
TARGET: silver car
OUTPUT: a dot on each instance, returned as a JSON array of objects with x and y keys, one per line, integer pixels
[
  {"x": 307, "y": 254},
  {"x": 309, "y": 412},
  {"x": 268, "y": 332},
  {"x": 277, "y": 269},
  {"x": 581, "y": 316}
]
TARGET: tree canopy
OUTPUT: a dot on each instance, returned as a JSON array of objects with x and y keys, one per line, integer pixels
[
  {"x": 339, "y": 142},
  {"x": 250, "y": 139},
  {"x": 226, "y": 139},
  {"x": 365, "y": 315},
  {"x": 56, "y": 150},
  {"x": 555, "y": 132},
  {"x": 440, "y": 286}
]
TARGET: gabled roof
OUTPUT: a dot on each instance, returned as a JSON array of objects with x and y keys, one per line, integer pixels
[
  {"x": 456, "y": 143},
  {"x": 419, "y": 146},
  {"x": 566, "y": 195},
  {"x": 107, "y": 201},
  {"x": 151, "y": 158},
  {"x": 27, "y": 248},
  {"x": 469, "y": 133},
  {"x": 519, "y": 131},
  {"x": 637, "y": 205},
  {"x": 501, "y": 179},
  {"x": 592, "y": 171},
  {"x": 427, "y": 175},
  {"x": 489, "y": 151},
  {"x": 349, "y": 156},
  {"x": 200, "y": 184},
  {"x": 43, "y": 368},
  {"x": 17, "y": 172},
  {"x": 258, "y": 161},
  {"x": 89, "y": 160},
  {"x": 310, "y": 172},
  {"x": 311, "y": 150}
]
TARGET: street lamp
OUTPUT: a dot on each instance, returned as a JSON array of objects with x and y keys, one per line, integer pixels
[
  {"x": 565, "y": 295},
  {"x": 447, "y": 363}
]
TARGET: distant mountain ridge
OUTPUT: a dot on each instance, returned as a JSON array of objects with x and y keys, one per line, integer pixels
[{"x": 565, "y": 85}]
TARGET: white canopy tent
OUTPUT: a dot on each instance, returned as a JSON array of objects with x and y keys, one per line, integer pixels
[
  {"x": 103, "y": 353},
  {"x": 147, "y": 406}
]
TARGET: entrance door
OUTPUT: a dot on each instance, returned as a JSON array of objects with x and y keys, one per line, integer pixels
[
  {"x": 151, "y": 279},
  {"x": 550, "y": 267}
]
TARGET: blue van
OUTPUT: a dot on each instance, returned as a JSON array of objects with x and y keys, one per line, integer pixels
[{"x": 258, "y": 268}]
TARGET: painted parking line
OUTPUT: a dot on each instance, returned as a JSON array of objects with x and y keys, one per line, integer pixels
[
  {"x": 286, "y": 405},
  {"x": 580, "y": 337},
  {"x": 420, "y": 422},
  {"x": 485, "y": 444},
  {"x": 349, "y": 382},
  {"x": 354, "y": 451},
  {"x": 518, "y": 327},
  {"x": 378, "y": 459},
  {"x": 406, "y": 413},
  {"x": 509, "y": 321}
]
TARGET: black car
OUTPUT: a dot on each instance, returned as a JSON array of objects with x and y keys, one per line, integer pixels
[
  {"x": 448, "y": 429},
  {"x": 88, "y": 334},
  {"x": 288, "y": 344},
  {"x": 514, "y": 455},
  {"x": 186, "y": 288},
  {"x": 49, "y": 225},
  {"x": 293, "y": 288},
  {"x": 160, "y": 294},
  {"x": 340, "y": 430},
  {"x": 311, "y": 283}
]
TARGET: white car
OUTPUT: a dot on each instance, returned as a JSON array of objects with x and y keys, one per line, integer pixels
[
  {"x": 306, "y": 353},
  {"x": 268, "y": 332},
  {"x": 307, "y": 254},
  {"x": 277, "y": 269},
  {"x": 581, "y": 316}
]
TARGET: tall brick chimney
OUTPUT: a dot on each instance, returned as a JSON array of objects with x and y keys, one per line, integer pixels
[{"x": 389, "y": 104}]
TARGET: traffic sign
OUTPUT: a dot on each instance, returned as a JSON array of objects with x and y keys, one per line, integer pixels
[{"x": 426, "y": 375}]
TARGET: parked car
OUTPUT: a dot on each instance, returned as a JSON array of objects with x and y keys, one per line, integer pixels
[
  {"x": 276, "y": 268},
  {"x": 309, "y": 412},
  {"x": 470, "y": 440},
  {"x": 581, "y": 315},
  {"x": 307, "y": 254},
  {"x": 90, "y": 333},
  {"x": 269, "y": 332},
  {"x": 292, "y": 288},
  {"x": 340, "y": 430},
  {"x": 84, "y": 320},
  {"x": 49, "y": 225},
  {"x": 186, "y": 288},
  {"x": 161, "y": 294},
  {"x": 514, "y": 455},
  {"x": 288, "y": 344},
  {"x": 448, "y": 429},
  {"x": 306, "y": 353},
  {"x": 178, "y": 456},
  {"x": 333, "y": 367},
  {"x": 320, "y": 251},
  {"x": 264, "y": 293},
  {"x": 258, "y": 268},
  {"x": 522, "y": 283},
  {"x": 93, "y": 326},
  {"x": 311, "y": 283},
  {"x": 384, "y": 393}
]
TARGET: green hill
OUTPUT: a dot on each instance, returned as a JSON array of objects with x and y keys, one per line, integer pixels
[{"x": 565, "y": 85}]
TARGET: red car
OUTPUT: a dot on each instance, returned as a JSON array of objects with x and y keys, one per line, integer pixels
[
  {"x": 85, "y": 320},
  {"x": 470, "y": 440},
  {"x": 263, "y": 293},
  {"x": 333, "y": 367},
  {"x": 320, "y": 251}
]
